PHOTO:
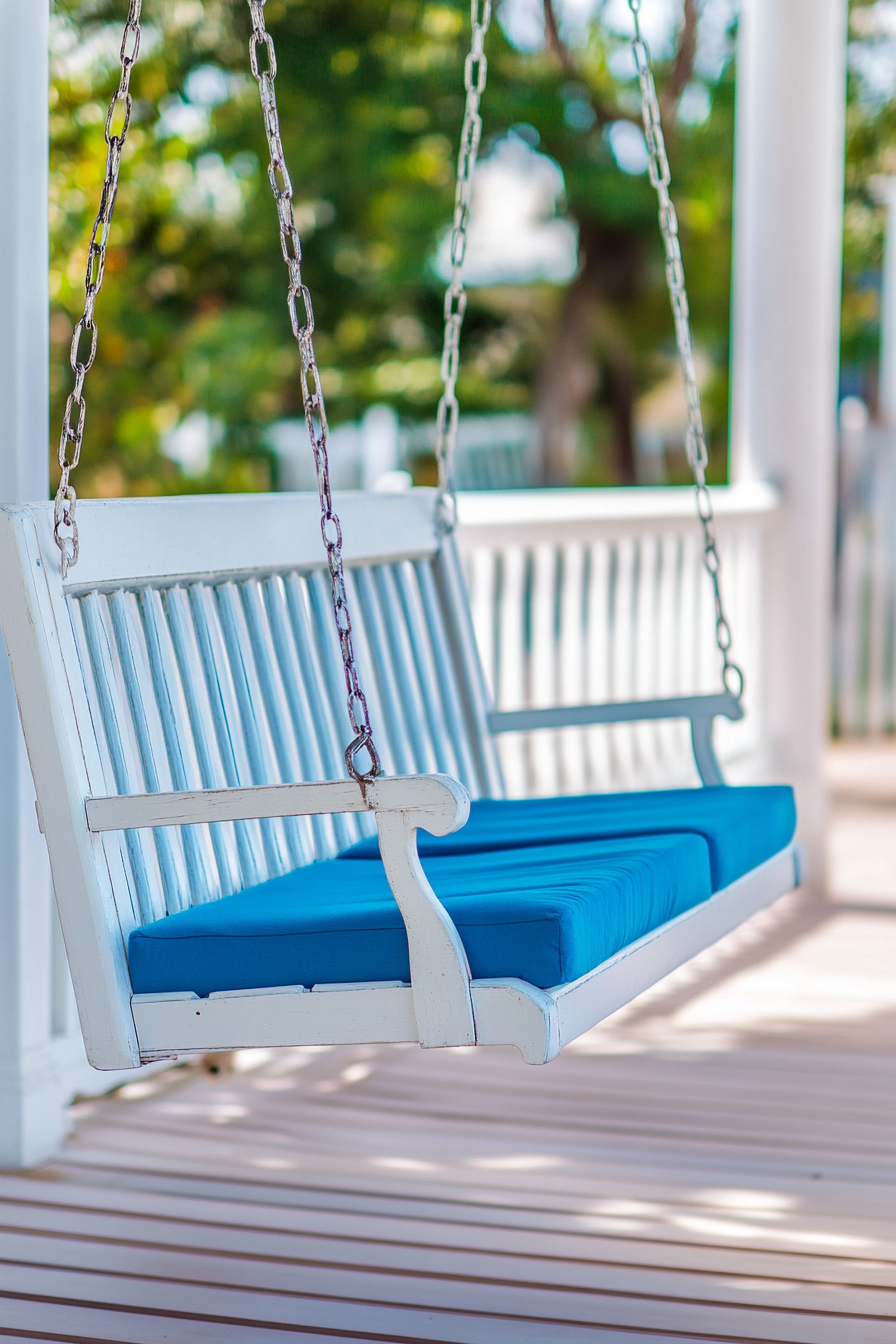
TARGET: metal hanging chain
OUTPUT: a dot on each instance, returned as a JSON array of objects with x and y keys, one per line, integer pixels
[
  {"x": 65, "y": 528},
  {"x": 698, "y": 457},
  {"x": 475, "y": 74},
  {"x": 312, "y": 396}
]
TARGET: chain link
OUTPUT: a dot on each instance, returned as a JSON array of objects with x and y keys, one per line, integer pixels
[
  {"x": 65, "y": 527},
  {"x": 695, "y": 443},
  {"x": 475, "y": 74},
  {"x": 301, "y": 316}
]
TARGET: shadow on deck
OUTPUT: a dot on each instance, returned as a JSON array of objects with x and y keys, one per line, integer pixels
[{"x": 714, "y": 1163}]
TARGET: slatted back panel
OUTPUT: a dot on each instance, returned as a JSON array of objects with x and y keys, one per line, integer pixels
[{"x": 217, "y": 683}]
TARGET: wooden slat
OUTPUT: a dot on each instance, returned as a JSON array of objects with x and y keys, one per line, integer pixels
[
  {"x": 541, "y": 659},
  {"x": 228, "y": 754},
  {"x": 287, "y": 1262},
  {"x": 166, "y": 1213},
  {"x": 285, "y": 765},
  {"x": 158, "y": 539},
  {"x": 426, "y": 618},
  {"x": 386, "y": 672},
  {"x": 358, "y": 1313},
  {"x": 201, "y": 1146},
  {"x": 300, "y": 1294},
  {"x": 455, "y": 621},
  {"x": 308, "y": 760},
  {"x": 314, "y": 657},
  {"x": 511, "y": 691},
  {"x": 124, "y": 811},
  {"x": 571, "y": 670},
  {"x": 406, "y": 1239},
  {"x": 148, "y": 732},
  {"x": 72, "y": 1323},
  {"x": 198, "y": 846},
  {"x": 252, "y": 723},
  {"x": 114, "y": 726}
]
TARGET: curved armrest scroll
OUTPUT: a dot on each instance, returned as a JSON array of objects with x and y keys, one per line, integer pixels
[{"x": 440, "y": 973}]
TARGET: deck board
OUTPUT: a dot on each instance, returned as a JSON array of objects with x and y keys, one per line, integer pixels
[{"x": 678, "y": 1175}]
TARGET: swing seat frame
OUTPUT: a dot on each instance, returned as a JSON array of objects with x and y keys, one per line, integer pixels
[{"x": 101, "y": 777}]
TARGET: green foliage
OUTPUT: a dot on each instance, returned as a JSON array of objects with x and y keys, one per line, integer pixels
[
  {"x": 870, "y": 157},
  {"x": 193, "y": 312},
  {"x": 870, "y": 170}
]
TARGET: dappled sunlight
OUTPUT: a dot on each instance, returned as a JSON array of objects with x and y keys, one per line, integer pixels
[
  {"x": 725, "y": 1216},
  {"x": 740, "y": 1230},
  {"x": 840, "y": 972},
  {"x": 215, "y": 1112},
  {"x": 273, "y": 1163},
  {"x": 403, "y": 1164},
  {"x": 862, "y": 858},
  {"x": 518, "y": 1162},
  {"x": 764, "y": 1202}
]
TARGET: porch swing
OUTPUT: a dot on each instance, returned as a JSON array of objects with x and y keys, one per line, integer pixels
[{"x": 180, "y": 684}]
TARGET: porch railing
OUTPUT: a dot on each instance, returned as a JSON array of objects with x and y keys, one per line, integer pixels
[
  {"x": 591, "y": 595},
  {"x": 865, "y": 624}
]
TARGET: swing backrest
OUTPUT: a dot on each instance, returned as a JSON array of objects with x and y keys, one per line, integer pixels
[{"x": 194, "y": 647}]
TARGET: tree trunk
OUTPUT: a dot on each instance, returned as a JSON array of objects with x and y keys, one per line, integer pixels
[
  {"x": 567, "y": 381},
  {"x": 619, "y": 374},
  {"x": 575, "y": 358},
  {"x": 586, "y": 350}
]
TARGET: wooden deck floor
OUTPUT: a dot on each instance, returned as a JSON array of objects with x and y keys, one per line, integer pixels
[{"x": 716, "y": 1163}]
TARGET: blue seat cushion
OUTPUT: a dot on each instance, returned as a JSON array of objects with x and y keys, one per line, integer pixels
[
  {"x": 546, "y": 915},
  {"x": 742, "y": 826}
]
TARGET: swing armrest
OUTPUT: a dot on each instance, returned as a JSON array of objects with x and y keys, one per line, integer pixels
[
  {"x": 700, "y": 709},
  {"x": 440, "y": 803},
  {"x": 440, "y": 973}
]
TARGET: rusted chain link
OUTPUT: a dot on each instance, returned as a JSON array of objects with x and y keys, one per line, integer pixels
[
  {"x": 695, "y": 443},
  {"x": 65, "y": 527},
  {"x": 475, "y": 74},
  {"x": 301, "y": 315}
]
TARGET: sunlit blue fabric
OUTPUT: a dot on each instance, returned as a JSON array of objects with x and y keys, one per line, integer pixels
[
  {"x": 742, "y": 826},
  {"x": 546, "y": 915}
]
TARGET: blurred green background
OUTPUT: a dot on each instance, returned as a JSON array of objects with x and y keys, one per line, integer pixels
[{"x": 193, "y": 318}]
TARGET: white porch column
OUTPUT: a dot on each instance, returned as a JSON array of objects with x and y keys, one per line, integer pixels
[
  {"x": 32, "y": 1089},
  {"x": 787, "y": 248},
  {"x": 888, "y": 310}
]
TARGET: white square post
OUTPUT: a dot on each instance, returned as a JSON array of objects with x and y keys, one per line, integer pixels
[
  {"x": 41, "y": 1055},
  {"x": 791, "y": 93}
]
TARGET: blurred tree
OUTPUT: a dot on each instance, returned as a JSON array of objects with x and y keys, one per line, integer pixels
[
  {"x": 594, "y": 345},
  {"x": 870, "y": 158},
  {"x": 194, "y": 333}
]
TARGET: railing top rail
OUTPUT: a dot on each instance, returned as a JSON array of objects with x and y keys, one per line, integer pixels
[{"x": 490, "y": 508}]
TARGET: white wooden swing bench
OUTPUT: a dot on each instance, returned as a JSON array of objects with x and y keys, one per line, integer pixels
[
  {"x": 182, "y": 681},
  {"x": 182, "y": 691}
]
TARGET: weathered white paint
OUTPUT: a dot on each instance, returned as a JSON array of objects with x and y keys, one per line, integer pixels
[
  {"x": 101, "y": 719},
  {"x": 788, "y": 228},
  {"x": 440, "y": 972},
  {"x": 31, "y": 1085},
  {"x": 236, "y": 534}
]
